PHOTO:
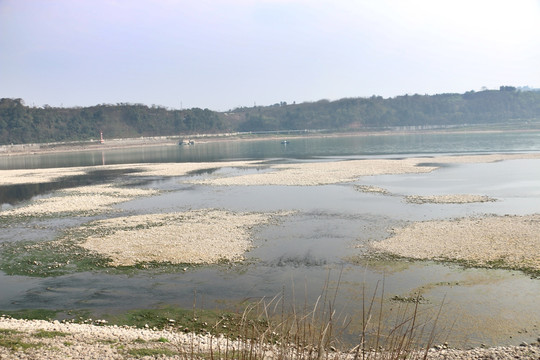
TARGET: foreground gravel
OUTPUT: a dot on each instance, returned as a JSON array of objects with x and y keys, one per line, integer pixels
[{"x": 37, "y": 339}]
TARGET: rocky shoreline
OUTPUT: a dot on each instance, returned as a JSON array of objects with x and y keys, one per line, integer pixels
[{"x": 51, "y": 340}]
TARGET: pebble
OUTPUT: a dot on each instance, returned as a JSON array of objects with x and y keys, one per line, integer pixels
[{"x": 86, "y": 341}]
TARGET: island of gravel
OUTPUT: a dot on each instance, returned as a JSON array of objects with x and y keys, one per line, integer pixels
[
  {"x": 448, "y": 199},
  {"x": 206, "y": 236},
  {"x": 79, "y": 201},
  {"x": 509, "y": 241}
]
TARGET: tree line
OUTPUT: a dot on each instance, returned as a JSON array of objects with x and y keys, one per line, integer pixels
[
  {"x": 483, "y": 107},
  {"x": 23, "y": 124}
]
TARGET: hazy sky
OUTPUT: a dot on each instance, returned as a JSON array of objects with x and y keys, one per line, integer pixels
[{"x": 222, "y": 54}]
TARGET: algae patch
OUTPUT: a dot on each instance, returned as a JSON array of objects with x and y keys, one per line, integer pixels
[{"x": 171, "y": 240}]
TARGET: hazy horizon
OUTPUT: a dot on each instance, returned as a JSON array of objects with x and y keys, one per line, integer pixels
[{"x": 234, "y": 53}]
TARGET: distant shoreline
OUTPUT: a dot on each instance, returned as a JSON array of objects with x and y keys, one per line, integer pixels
[{"x": 125, "y": 143}]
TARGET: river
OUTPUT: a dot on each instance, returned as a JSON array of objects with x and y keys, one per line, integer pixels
[{"x": 318, "y": 245}]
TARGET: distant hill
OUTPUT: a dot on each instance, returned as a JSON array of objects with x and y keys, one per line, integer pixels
[
  {"x": 22, "y": 124},
  {"x": 484, "y": 107}
]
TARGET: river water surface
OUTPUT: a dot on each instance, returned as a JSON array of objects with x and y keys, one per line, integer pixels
[{"x": 322, "y": 240}]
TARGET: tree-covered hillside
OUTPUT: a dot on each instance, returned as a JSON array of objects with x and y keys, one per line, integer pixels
[
  {"x": 22, "y": 124},
  {"x": 483, "y": 107}
]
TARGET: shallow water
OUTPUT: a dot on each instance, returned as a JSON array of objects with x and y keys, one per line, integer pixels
[
  {"x": 388, "y": 145},
  {"x": 322, "y": 239}
]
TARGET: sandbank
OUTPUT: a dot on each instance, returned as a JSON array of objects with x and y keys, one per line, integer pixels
[
  {"x": 510, "y": 240},
  {"x": 371, "y": 189},
  {"x": 320, "y": 173}
]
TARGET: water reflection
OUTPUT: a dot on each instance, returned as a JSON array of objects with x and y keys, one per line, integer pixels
[
  {"x": 299, "y": 148},
  {"x": 12, "y": 194}
]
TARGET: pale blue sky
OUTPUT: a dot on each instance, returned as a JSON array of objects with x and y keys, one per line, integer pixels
[{"x": 223, "y": 54}]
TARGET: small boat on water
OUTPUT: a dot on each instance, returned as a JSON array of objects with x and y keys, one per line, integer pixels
[
  {"x": 186, "y": 142},
  {"x": 284, "y": 142}
]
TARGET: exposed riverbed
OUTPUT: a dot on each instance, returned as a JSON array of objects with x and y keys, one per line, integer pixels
[{"x": 287, "y": 222}]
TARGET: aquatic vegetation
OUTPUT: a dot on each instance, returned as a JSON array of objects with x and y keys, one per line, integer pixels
[
  {"x": 48, "y": 258},
  {"x": 31, "y": 314},
  {"x": 254, "y": 329},
  {"x": 174, "y": 241}
]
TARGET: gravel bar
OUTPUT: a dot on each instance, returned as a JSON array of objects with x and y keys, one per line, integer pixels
[
  {"x": 193, "y": 237},
  {"x": 505, "y": 241}
]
